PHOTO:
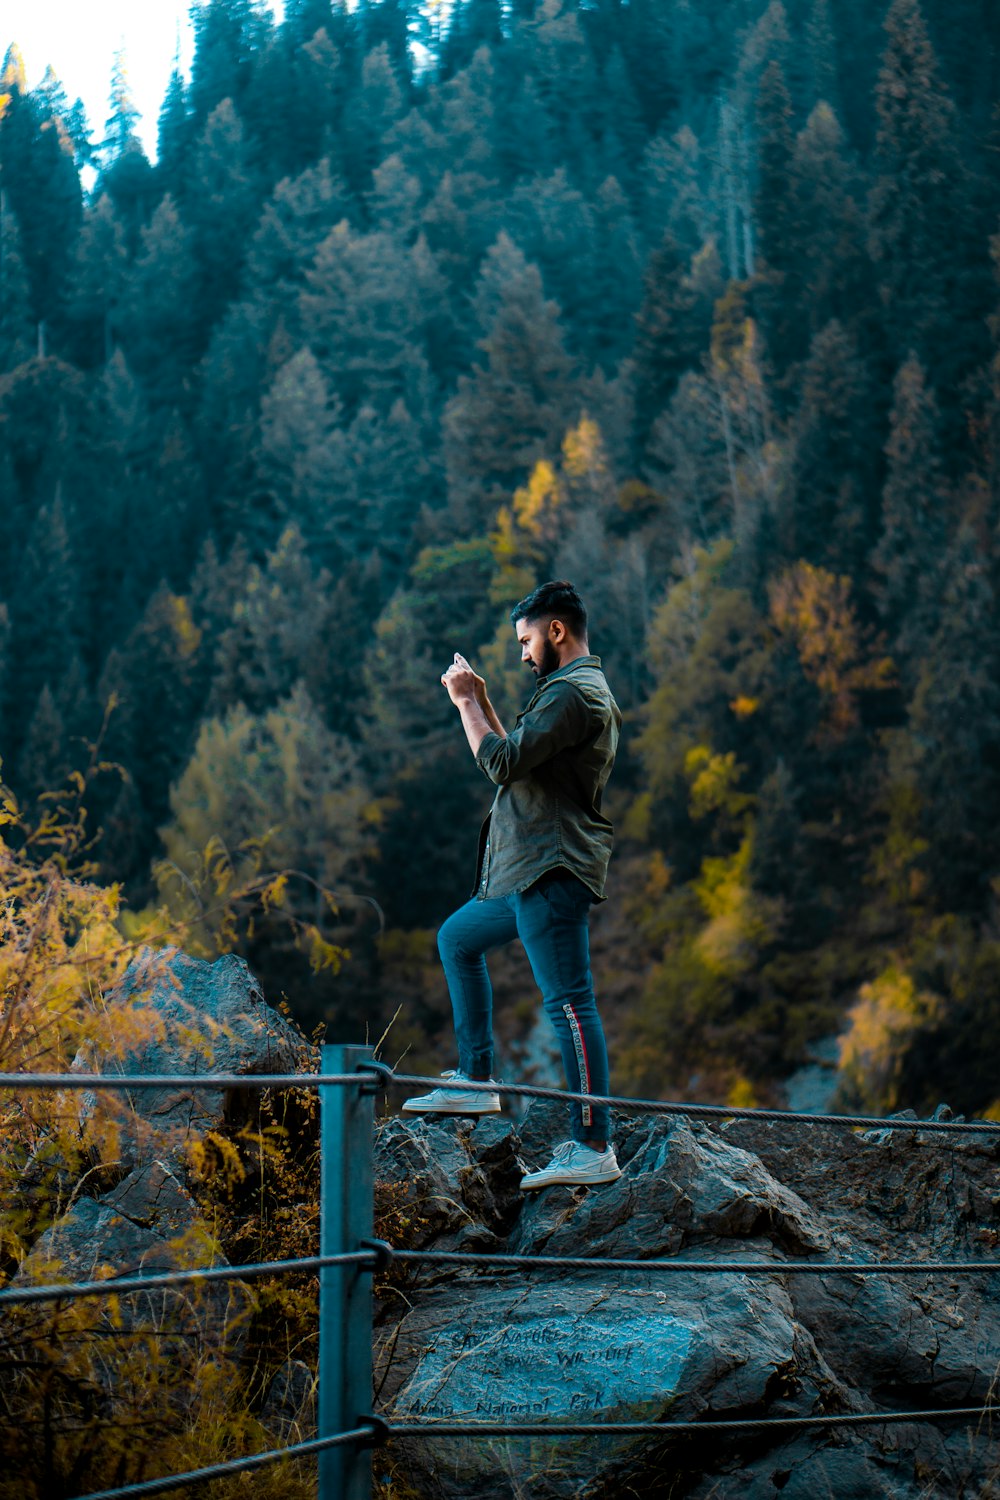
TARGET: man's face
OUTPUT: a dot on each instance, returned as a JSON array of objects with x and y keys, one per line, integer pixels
[{"x": 537, "y": 650}]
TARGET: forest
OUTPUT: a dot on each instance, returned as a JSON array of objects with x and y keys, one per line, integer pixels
[{"x": 419, "y": 305}]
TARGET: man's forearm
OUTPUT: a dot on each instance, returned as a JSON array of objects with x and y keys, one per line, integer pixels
[
  {"x": 478, "y": 720},
  {"x": 492, "y": 720}
]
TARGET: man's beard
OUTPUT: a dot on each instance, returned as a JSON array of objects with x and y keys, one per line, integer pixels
[{"x": 549, "y": 662}]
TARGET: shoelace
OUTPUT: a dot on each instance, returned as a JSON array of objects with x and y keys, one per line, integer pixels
[
  {"x": 563, "y": 1153},
  {"x": 457, "y": 1073}
]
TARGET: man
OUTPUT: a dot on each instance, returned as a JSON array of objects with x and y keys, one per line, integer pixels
[{"x": 543, "y": 858}]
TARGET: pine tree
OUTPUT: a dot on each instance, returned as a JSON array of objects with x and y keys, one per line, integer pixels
[
  {"x": 120, "y": 127},
  {"x": 907, "y": 560},
  {"x": 381, "y": 478},
  {"x": 223, "y": 212},
  {"x": 228, "y": 34},
  {"x": 40, "y": 185},
  {"x": 954, "y": 724},
  {"x": 472, "y": 24},
  {"x": 294, "y": 223},
  {"x": 375, "y": 107},
  {"x": 918, "y": 207},
  {"x": 828, "y": 520},
  {"x": 781, "y": 266},
  {"x": 44, "y": 762},
  {"x": 827, "y": 236},
  {"x": 174, "y": 137},
  {"x": 17, "y": 332},
  {"x": 821, "y": 47},
  {"x": 673, "y": 195},
  {"x": 98, "y": 284},
  {"x": 153, "y": 678},
  {"x": 525, "y": 133},
  {"x": 516, "y": 402},
  {"x": 46, "y": 616},
  {"x": 363, "y": 310},
  {"x": 394, "y": 201},
  {"x": 552, "y": 224},
  {"x": 612, "y": 275},
  {"x": 283, "y": 626},
  {"x": 672, "y": 327},
  {"x": 159, "y": 330},
  {"x": 774, "y": 208},
  {"x": 300, "y": 436},
  {"x": 623, "y": 128}
]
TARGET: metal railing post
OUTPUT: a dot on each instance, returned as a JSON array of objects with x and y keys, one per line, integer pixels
[{"x": 345, "y": 1296}]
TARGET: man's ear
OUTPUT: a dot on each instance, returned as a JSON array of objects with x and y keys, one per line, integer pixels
[{"x": 557, "y": 632}]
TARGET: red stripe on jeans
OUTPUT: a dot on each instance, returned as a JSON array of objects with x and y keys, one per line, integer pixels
[{"x": 583, "y": 1066}]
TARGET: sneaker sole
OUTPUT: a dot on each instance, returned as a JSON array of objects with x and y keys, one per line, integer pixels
[
  {"x": 438, "y": 1109},
  {"x": 567, "y": 1181}
]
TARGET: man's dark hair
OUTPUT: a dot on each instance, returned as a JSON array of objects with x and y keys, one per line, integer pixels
[{"x": 559, "y": 600}]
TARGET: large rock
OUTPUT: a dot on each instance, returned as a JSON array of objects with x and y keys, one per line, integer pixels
[
  {"x": 599, "y": 1349},
  {"x": 586, "y": 1345},
  {"x": 176, "y": 1014},
  {"x": 121, "y": 1196}
]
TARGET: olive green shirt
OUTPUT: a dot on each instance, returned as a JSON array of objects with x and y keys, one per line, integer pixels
[{"x": 551, "y": 771}]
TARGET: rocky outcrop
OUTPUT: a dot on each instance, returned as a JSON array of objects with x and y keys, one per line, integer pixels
[
  {"x": 595, "y": 1345},
  {"x": 126, "y": 1208},
  {"x": 172, "y": 1014},
  {"x": 557, "y": 1345}
]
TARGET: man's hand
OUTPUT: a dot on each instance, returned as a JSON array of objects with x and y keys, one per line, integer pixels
[
  {"x": 463, "y": 683},
  {"x": 467, "y": 690}
]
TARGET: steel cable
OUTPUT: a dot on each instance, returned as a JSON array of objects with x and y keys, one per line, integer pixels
[
  {"x": 383, "y": 1076},
  {"x": 665, "y": 1429},
  {"x": 120, "y": 1285},
  {"x": 737, "y": 1267},
  {"x": 367, "y": 1434}
]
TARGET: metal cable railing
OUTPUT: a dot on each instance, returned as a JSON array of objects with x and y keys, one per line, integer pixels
[
  {"x": 366, "y": 1434},
  {"x": 372, "y": 1255},
  {"x": 387, "y": 1076}
]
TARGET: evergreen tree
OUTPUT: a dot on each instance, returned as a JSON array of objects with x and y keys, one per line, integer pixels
[
  {"x": 39, "y": 181},
  {"x": 472, "y": 24},
  {"x": 153, "y": 679},
  {"x": 516, "y": 402},
  {"x": 98, "y": 284},
  {"x": 174, "y": 137},
  {"x": 228, "y": 34},
  {"x": 300, "y": 439},
  {"x": 821, "y": 47},
  {"x": 375, "y": 107},
  {"x": 909, "y": 554},
  {"x": 827, "y": 256},
  {"x": 552, "y": 224},
  {"x": 829, "y": 520},
  {"x": 120, "y": 127},
  {"x": 612, "y": 277},
  {"x": 363, "y": 308},
  {"x": 17, "y": 332},
  {"x": 673, "y": 195},
  {"x": 159, "y": 330},
  {"x": 44, "y": 762},
  {"x": 781, "y": 268},
  {"x": 46, "y": 617},
  {"x": 955, "y": 728},
  {"x": 274, "y": 636},
  {"x": 672, "y": 327},
  {"x": 222, "y": 215},
  {"x": 919, "y": 206}
]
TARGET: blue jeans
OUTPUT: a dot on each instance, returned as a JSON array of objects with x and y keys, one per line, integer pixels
[{"x": 550, "y": 918}]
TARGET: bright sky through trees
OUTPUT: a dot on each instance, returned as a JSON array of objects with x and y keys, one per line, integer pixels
[{"x": 80, "y": 41}]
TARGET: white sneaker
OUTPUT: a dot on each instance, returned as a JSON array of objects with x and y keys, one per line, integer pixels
[
  {"x": 447, "y": 1101},
  {"x": 574, "y": 1165}
]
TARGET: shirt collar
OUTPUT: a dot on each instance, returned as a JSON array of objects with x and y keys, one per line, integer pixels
[{"x": 578, "y": 661}]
